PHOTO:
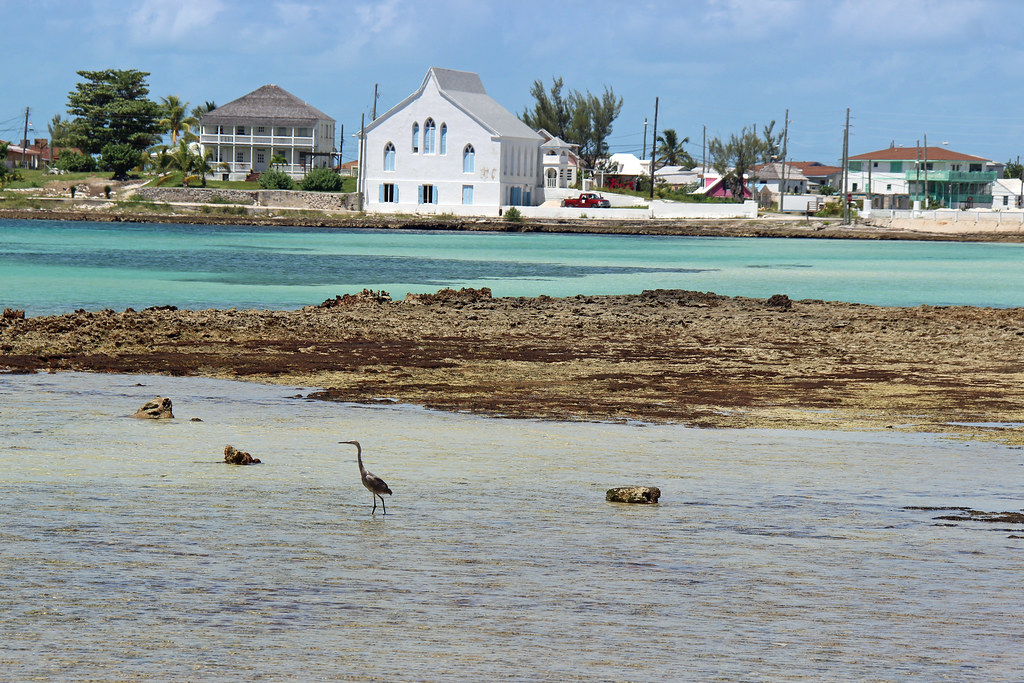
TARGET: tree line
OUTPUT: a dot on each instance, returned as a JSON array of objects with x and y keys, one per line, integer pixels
[
  {"x": 586, "y": 120},
  {"x": 118, "y": 127}
]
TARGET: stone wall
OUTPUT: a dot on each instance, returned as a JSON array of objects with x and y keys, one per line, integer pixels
[{"x": 292, "y": 199}]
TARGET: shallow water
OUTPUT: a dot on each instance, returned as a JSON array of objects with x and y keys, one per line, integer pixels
[
  {"x": 59, "y": 266},
  {"x": 130, "y": 552}
]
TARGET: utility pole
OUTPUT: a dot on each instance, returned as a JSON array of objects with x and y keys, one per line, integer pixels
[
  {"x": 654, "y": 145},
  {"x": 927, "y": 202},
  {"x": 704, "y": 156},
  {"x": 341, "y": 147},
  {"x": 374, "y": 102},
  {"x": 917, "y": 176},
  {"x": 782, "y": 173},
  {"x": 846, "y": 168},
  {"x": 643, "y": 154},
  {"x": 360, "y": 179},
  {"x": 24, "y": 143}
]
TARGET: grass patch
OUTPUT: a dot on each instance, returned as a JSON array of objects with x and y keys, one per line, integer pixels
[{"x": 37, "y": 178}]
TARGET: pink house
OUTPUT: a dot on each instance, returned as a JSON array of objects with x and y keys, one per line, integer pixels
[{"x": 716, "y": 187}]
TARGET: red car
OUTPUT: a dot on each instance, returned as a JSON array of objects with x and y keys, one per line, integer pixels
[{"x": 587, "y": 200}]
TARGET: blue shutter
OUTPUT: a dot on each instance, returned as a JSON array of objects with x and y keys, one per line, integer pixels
[
  {"x": 419, "y": 194},
  {"x": 396, "y": 193},
  {"x": 435, "y": 194},
  {"x": 380, "y": 197}
]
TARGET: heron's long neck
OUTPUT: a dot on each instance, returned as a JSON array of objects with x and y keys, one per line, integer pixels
[{"x": 359, "y": 457}]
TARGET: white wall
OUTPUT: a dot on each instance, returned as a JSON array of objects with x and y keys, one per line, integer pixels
[{"x": 498, "y": 164}]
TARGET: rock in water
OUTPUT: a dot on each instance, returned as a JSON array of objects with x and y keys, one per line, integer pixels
[
  {"x": 233, "y": 456},
  {"x": 157, "y": 409},
  {"x": 634, "y": 494}
]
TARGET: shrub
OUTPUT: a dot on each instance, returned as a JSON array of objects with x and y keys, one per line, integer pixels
[
  {"x": 120, "y": 158},
  {"x": 276, "y": 180},
  {"x": 321, "y": 180},
  {"x": 75, "y": 162},
  {"x": 513, "y": 215}
]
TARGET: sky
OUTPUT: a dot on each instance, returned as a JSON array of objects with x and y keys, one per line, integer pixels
[{"x": 951, "y": 70}]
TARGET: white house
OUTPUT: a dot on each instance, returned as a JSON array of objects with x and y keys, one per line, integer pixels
[
  {"x": 450, "y": 148},
  {"x": 771, "y": 175},
  {"x": 952, "y": 178},
  {"x": 245, "y": 134},
  {"x": 559, "y": 161},
  {"x": 1007, "y": 193}
]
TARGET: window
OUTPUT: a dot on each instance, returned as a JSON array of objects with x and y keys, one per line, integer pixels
[
  {"x": 389, "y": 157},
  {"x": 444, "y": 139},
  {"x": 427, "y": 194},
  {"x": 954, "y": 167},
  {"x": 240, "y": 130},
  {"x": 1006, "y": 200},
  {"x": 388, "y": 193},
  {"x": 855, "y": 166},
  {"x": 974, "y": 168},
  {"x": 428, "y": 136},
  {"x": 239, "y": 156},
  {"x": 929, "y": 166},
  {"x": 260, "y": 157},
  {"x": 468, "y": 159},
  {"x": 283, "y": 132},
  {"x": 874, "y": 165},
  {"x": 888, "y": 187},
  {"x": 855, "y": 187},
  {"x": 467, "y": 194},
  {"x": 896, "y": 167},
  {"x": 261, "y": 129},
  {"x": 415, "y": 138}
]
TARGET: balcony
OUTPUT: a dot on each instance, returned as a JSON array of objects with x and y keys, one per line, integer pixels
[
  {"x": 255, "y": 140},
  {"x": 952, "y": 176}
]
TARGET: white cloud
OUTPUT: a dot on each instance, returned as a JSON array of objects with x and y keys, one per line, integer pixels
[{"x": 169, "y": 21}]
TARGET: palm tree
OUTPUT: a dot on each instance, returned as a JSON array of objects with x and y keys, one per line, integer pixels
[
  {"x": 174, "y": 120},
  {"x": 201, "y": 110},
  {"x": 671, "y": 150},
  {"x": 183, "y": 159}
]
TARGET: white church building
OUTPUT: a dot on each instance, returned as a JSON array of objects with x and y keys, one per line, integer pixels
[{"x": 450, "y": 148}]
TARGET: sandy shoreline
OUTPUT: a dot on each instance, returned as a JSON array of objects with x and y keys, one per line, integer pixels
[
  {"x": 662, "y": 356},
  {"x": 770, "y": 227}
]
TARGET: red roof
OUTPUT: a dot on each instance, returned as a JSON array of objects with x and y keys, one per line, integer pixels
[
  {"x": 812, "y": 169},
  {"x": 911, "y": 154}
]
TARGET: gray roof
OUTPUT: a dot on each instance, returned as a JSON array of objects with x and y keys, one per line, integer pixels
[
  {"x": 271, "y": 105},
  {"x": 466, "y": 91}
]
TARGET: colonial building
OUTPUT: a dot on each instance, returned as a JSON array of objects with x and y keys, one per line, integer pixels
[
  {"x": 245, "y": 134},
  {"x": 925, "y": 174},
  {"x": 560, "y": 161},
  {"x": 450, "y": 148}
]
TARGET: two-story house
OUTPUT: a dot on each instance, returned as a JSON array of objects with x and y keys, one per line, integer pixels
[
  {"x": 245, "y": 134},
  {"x": 925, "y": 174},
  {"x": 450, "y": 148}
]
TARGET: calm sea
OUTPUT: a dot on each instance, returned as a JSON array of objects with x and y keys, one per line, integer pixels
[
  {"x": 128, "y": 552},
  {"x": 53, "y": 267}
]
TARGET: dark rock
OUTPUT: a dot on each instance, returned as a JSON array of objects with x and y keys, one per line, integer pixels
[
  {"x": 13, "y": 314},
  {"x": 157, "y": 409},
  {"x": 233, "y": 456},
  {"x": 644, "y": 495},
  {"x": 780, "y": 301}
]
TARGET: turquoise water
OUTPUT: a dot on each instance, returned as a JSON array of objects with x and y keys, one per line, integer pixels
[
  {"x": 53, "y": 266},
  {"x": 127, "y": 552}
]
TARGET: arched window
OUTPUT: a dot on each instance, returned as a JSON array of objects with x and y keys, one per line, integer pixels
[
  {"x": 428, "y": 136},
  {"x": 444, "y": 139},
  {"x": 389, "y": 157},
  {"x": 415, "y": 138},
  {"x": 468, "y": 156}
]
